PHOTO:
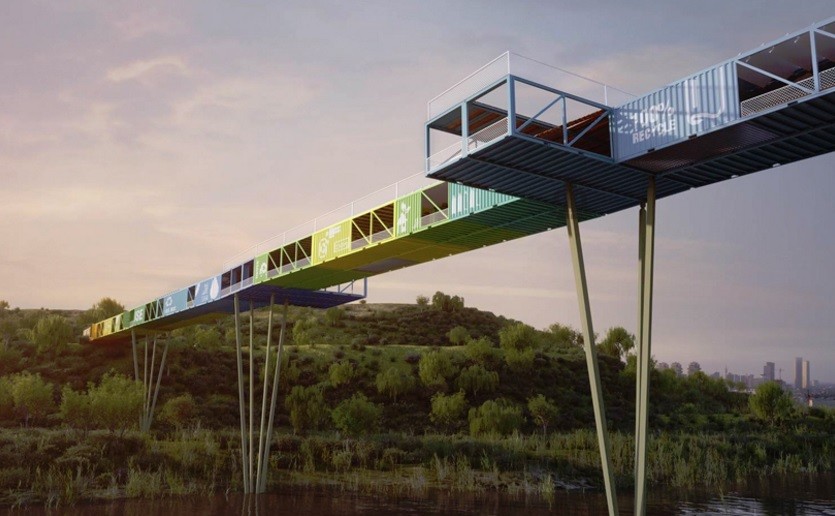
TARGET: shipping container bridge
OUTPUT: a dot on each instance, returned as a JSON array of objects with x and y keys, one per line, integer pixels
[{"x": 515, "y": 149}]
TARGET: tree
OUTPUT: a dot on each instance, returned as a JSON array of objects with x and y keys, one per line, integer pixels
[
  {"x": 543, "y": 411},
  {"x": 480, "y": 350},
  {"x": 207, "y": 338},
  {"x": 458, "y": 336},
  {"x": 395, "y": 381},
  {"x": 333, "y": 316},
  {"x": 693, "y": 368},
  {"x": 422, "y": 301},
  {"x": 307, "y": 407},
  {"x": 6, "y": 399},
  {"x": 51, "y": 333},
  {"x": 32, "y": 395},
  {"x": 443, "y": 302},
  {"x": 564, "y": 336},
  {"x": 116, "y": 402},
  {"x": 617, "y": 342},
  {"x": 106, "y": 307},
  {"x": 75, "y": 410},
  {"x": 448, "y": 411},
  {"x": 179, "y": 411},
  {"x": 771, "y": 403},
  {"x": 676, "y": 368},
  {"x": 434, "y": 368},
  {"x": 341, "y": 373},
  {"x": 476, "y": 378},
  {"x": 518, "y": 336},
  {"x": 499, "y": 417},
  {"x": 4, "y": 307},
  {"x": 356, "y": 415}
]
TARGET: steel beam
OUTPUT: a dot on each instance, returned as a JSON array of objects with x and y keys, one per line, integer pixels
[
  {"x": 573, "y": 226},
  {"x": 647, "y": 258}
]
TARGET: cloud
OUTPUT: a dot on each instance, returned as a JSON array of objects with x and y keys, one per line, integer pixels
[{"x": 147, "y": 68}]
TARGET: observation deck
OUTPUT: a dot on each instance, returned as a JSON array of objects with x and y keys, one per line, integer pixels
[{"x": 524, "y": 128}]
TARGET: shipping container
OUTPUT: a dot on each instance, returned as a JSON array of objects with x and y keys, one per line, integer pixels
[
  {"x": 175, "y": 302},
  {"x": 679, "y": 111},
  {"x": 464, "y": 200},
  {"x": 332, "y": 242}
]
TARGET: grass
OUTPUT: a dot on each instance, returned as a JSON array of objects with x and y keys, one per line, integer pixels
[{"x": 63, "y": 468}]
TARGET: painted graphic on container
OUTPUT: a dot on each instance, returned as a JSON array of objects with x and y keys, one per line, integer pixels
[
  {"x": 206, "y": 291},
  {"x": 689, "y": 107},
  {"x": 262, "y": 268},
  {"x": 407, "y": 214},
  {"x": 138, "y": 315},
  {"x": 173, "y": 303},
  {"x": 332, "y": 242}
]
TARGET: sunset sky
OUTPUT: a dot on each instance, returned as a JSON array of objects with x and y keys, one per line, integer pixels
[{"x": 141, "y": 148}]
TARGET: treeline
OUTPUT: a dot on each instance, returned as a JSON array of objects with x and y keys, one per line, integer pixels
[{"x": 435, "y": 366}]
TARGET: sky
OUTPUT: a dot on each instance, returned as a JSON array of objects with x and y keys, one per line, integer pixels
[{"x": 144, "y": 145}]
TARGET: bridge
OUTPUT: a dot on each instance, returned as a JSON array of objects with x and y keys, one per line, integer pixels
[{"x": 515, "y": 149}]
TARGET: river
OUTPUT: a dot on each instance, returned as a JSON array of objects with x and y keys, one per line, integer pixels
[{"x": 797, "y": 495}]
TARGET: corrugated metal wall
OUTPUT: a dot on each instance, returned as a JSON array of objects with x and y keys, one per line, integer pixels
[
  {"x": 674, "y": 113},
  {"x": 464, "y": 200}
]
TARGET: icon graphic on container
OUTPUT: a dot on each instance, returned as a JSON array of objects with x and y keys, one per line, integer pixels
[{"x": 403, "y": 219}]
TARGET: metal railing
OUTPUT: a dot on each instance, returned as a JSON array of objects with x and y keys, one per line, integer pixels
[
  {"x": 368, "y": 202},
  {"x": 487, "y": 135},
  {"x": 445, "y": 155},
  {"x": 533, "y": 70},
  {"x": 786, "y": 93}
]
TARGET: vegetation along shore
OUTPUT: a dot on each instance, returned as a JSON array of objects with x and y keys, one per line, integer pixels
[{"x": 392, "y": 399}]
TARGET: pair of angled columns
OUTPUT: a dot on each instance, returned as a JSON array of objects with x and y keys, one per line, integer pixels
[
  {"x": 646, "y": 254},
  {"x": 151, "y": 377},
  {"x": 253, "y": 462}
]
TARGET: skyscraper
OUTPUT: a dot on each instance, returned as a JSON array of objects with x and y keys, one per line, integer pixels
[
  {"x": 768, "y": 372},
  {"x": 798, "y": 373},
  {"x": 806, "y": 380}
]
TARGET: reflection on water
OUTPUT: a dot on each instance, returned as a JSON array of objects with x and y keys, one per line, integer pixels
[{"x": 801, "y": 495}]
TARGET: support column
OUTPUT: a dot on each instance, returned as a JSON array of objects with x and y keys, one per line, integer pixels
[
  {"x": 646, "y": 257},
  {"x": 150, "y": 383},
  {"x": 573, "y": 226},
  {"x": 264, "y": 458},
  {"x": 244, "y": 458}
]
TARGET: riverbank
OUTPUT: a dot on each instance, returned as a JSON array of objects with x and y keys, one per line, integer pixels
[{"x": 57, "y": 467}]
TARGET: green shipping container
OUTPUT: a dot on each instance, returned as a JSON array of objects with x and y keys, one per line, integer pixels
[
  {"x": 332, "y": 242},
  {"x": 407, "y": 214},
  {"x": 464, "y": 200},
  {"x": 262, "y": 267}
]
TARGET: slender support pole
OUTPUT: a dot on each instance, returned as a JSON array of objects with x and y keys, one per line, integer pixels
[
  {"x": 251, "y": 397},
  {"x": 274, "y": 398},
  {"x": 259, "y": 484},
  {"x": 135, "y": 360},
  {"x": 241, "y": 392},
  {"x": 644, "y": 352},
  {"x": 156, "y": 389},
  {"x": 642, "y": 217},
  {"x": 591, "y": 353},
  {"x": 150, "y": 387}
]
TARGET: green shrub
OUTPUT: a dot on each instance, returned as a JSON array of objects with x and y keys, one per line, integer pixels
[
  {"x": 771, "y": 403},
  {"x": 341, "y": 373},
  {"x": 117, "y": 401},
  {"x": 434, "y": 368},
  {"x": 476, "y": 378},
  {"x": 458, "y": 335},
  {"x": 481, "y": 350},
  {"x": 495, "y": 418},
  {"x": 356, "y": 416},
  {"x": 180, "y": 411},
  {"x": 395, "y": 381},
  {"x": 33, "y": 397},
  {"x": 448, "y": 411},
  {"x": 543, "y": 411},
  {"x": 307, "y": 407}
]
